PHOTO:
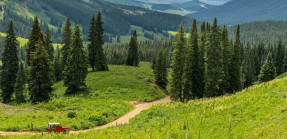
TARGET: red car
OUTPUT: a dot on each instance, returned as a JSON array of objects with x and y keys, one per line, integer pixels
[{"x": 56, "y": 127}]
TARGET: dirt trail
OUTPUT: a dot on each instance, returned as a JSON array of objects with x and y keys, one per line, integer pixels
[{"x": 122, "y": 120}]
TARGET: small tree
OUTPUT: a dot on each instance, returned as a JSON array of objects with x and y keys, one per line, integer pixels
[
  {"x": 160, "y": 71},
  {"x": 268, "y": 71},
  {"x": 20, "y": 87},
  {"x": 133, "y": 54}
]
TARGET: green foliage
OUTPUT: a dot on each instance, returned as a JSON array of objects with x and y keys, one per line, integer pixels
[
  {"x": 268, "y": 70},
  {"x": 9, "y": 64},
  {"x": 279, "y": 59},
  {"x": 20, "y": 86},
  {"x": 66, "y": 42},
  {"x": 58, "y": 64},
  {"x": 72, "y": 114},
  {"x": 178, "y": 61},
  {"x": 49, "y": 44},
  {"x": 226, "y": 56},
  {"x": 40, "y": 74},
  {"x": 76, "y": 69},
  {"x": 160, "y": 71},
  {"x": 133, "y": 54}
]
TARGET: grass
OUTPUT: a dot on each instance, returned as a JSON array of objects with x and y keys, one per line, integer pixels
[
  {"x": 104, "y": 100},
  {"x": 256, "y": 112}
]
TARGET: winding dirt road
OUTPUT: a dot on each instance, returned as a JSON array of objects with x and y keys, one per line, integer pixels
[{"x": 122, "y": 120}]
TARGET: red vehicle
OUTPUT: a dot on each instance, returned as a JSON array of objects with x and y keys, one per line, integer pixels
[{"x": 56, "y": 127}]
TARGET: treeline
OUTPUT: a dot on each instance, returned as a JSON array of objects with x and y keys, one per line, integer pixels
[
  {"x": 209, "y": 64},
  {"x": 39, "y": 66}
]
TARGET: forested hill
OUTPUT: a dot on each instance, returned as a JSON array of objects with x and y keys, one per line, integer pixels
[
  {"x": 117, "y": 18},
  {"x": 243, "y": 11},
  {"x": 261, "y": 32}
]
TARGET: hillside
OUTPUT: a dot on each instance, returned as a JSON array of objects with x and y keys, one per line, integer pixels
[
  {"x": 258, "y": 32},
  {"x": 242, "y": 11},
  {"x": 90, "y": 106},
  {"x": 53, "y": 13},
  {"x": 256, "y": 112}
]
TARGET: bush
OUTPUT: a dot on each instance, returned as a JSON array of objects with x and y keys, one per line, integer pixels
[
  {"x": 99, "y": 120},
  {"x": 72, "y": 114}
]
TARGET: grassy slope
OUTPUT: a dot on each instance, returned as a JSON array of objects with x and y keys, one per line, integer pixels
[
  {"x": 256, "y": 112},
  {"x": 105, "y": 98}
]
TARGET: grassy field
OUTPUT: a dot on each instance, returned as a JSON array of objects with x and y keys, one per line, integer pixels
[
  {"x": 105, "y": 99},
  {"x": 256, "y": 112}
]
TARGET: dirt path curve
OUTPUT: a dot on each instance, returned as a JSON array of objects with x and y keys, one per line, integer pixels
[{"x": 122, "y": 120}]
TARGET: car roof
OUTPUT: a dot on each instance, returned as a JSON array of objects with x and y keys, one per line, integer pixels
[{"x": 53, "y": 123}]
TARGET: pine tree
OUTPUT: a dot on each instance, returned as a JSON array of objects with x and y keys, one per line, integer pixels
[
  {"x": 191, "y": 79},
  {"x": 268, "y": 70},
  {"x": 202, "y": 44},
  {"x": 49, "y": 44},
  {"x": 279, "y": 58},
  {"x": 58, "y": 65},
  {"x": 248, "y": 67},
  {"x": 9, "y": 64},
  {"x": 133, "y": 54},
  {"x": 285, "y": 61},
  {"x": 66, "y": 41},
  {"x": 76, "y": 70},
  {"x": 35, "y": 35},
  {"x": 226, "y": 60},
  {"x": 160, "y": 70},
  {"x": 97, "y": 58},
  {"x": 214, "y": 62},
  {"x": 178, "y": 60},
  {"x": 20, "y": 87},
  {"x": 235, "y": 75},
  {"x": 40, "y": 74}
]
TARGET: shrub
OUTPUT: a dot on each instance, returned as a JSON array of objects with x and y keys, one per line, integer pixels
[
  {"x": 72, "y": 114},
  {"x": 99, "y": 120}
]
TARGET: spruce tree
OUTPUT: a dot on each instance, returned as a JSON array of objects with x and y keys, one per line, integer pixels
[
  {"x": 66, "y": 41},
  {"x": 226, "y": 60},
  {"x": 49, "y": 44},
  {"x": 40, "y": 74},
  {"x": 202, "y": 44},
  {"x": 58, "y": 65},
  {"x": 268, "y": 70},
  {"x": 35, "y": 35},
  {"x": 248, "y": 67},
  {"x": 160, "y": 70},
  {"x": 214, "y": 63},
  {"x": 285, "y": 61},
  {"x": 9, "y": 64},
  {"x": 178, "y": 62},
  {"x": 235, "y": 74},
  {"x": 133, "y": 54},
  {"x": 20, "y": 87},
  {"x": 279, "y": 62},
  {"x": 191, "y": 79},
  {"x": 92, "y": 47},
  {"x": 76, "y": 69}
]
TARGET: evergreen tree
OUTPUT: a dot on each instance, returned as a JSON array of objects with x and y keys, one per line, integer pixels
[
  {"x": 49, "y": 44},
  {"x": 213, "y": 72},
  {"x": 97, "y": 58},
  {"x": 279, "y": 62},
  {"x": 35, "y": 35},
  {"x": 178, "y": 61},
  {"x": 285, "y": 61},
  {"x": 268, "y": 70},
  {"x": 133, "y": 54},
  {"x": 248, "y": 67},
  {"x": 226, "y": 60},
  {"x": 235, "y": 75},
  {"x": 202, "y": 44},
  {"x": 58, "y": 65},
  {"x": 20, "y": 87},
  {"x": 160, "y": 71},
  {"x": 76, "y": 70},
  {"x": 40, "y": 74},
  {"x": 66, "y": 41},
  {"x": 9, "y": 64},
  {"x": 192, "y": 81}
]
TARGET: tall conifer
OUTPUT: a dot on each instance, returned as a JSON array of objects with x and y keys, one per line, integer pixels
[
  {"x": 9, "y": 64},
  {"x": 49, "y": 44},
  {"x": 202, "y": 45},
  {"x": 20, "y": 87},
  {"x": 66, "y": 41},
  {"x": 279, "y": 61},
  {"x": 160, "y": 70},
  {"x": 133, "y": 54},
  {"x": 178, "y": 61},
  {"x": 226, "y": 60},
  {"x": 268, "y": 70}
]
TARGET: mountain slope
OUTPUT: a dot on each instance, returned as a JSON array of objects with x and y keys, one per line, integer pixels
[{"x": 242, "y": 11}]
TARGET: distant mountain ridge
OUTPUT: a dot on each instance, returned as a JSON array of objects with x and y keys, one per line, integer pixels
[{"x": 243, "y": 11}]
